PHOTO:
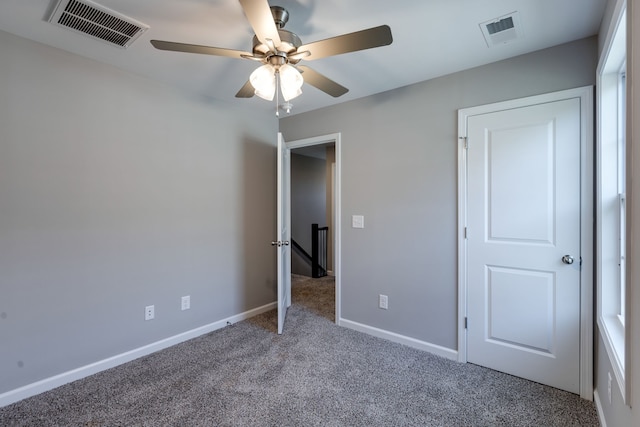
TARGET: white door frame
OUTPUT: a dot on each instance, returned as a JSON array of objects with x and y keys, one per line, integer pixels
[
  {"x": 586, "y": 221},
  {"x": 327, "y": 139}
]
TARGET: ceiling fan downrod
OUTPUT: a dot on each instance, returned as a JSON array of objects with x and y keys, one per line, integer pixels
[{"x": 280, "y": 16}]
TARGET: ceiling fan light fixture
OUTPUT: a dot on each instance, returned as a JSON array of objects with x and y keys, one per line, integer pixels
[
  {"x": 263, "y": 80},
  {"x": 290, "y": 82}
]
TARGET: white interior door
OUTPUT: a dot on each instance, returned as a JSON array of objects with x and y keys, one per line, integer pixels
[
  {"x": 523, "y": 242},
  {"x": 283, "y": 230}
]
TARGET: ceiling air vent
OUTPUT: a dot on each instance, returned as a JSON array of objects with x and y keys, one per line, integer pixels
[
  {"x": 97, "y": 21},
  {"x": 504, "y": 29}
]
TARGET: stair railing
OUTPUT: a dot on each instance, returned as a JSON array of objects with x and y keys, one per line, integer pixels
[{"x": 319, "y": 241}]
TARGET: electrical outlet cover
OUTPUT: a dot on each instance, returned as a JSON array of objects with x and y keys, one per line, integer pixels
[
  {"x": 149, "y": 312},
  {"x": 383, "y": 302}
]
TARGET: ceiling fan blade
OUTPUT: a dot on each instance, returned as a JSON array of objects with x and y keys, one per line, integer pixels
[
  {"x": 246, "y": 91},
  {"x": 298, "y": 55},
  {"x": 194, "y": 48},
  {"x": 352, "y": 42},
  {"x": 259, "y": 16},
  {"x": 321, "y": 82}
]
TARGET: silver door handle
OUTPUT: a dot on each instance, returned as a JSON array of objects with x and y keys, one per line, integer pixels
[
  {"x": 567, "y": 259},
  {"x": 280, "y": 243}
]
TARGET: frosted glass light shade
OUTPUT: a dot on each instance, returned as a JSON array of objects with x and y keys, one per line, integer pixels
[
  {"x": 263, "y": 80},
  {"x": 290, "y": 82}
]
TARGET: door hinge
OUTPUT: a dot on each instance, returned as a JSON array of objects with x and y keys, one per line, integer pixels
[
  {"x": 465, "y": 232},
  {"x": 466, "y": 141},
  {"x": 466, "y": 323}
]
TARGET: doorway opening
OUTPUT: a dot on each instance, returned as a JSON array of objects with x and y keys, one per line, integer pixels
[{"x": 315, "y": 208}]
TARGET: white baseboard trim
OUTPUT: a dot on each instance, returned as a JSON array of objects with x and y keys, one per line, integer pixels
[
  {"x": 50, "y": 383},
  {"x": 401, "y": 339},
  {"x": 598, "y": 402}
]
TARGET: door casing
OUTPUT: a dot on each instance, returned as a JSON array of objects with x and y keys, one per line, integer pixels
[{"x": 585, "y": 94}]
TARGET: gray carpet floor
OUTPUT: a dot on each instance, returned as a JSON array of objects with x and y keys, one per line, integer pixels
[{"x": 315, "y": 374}]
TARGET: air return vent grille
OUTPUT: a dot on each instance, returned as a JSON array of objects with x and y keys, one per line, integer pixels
[
  {"x": 97, "y": 21},
  {"x": 504, "y": 29},
  {"x": 502, "y": 25}
]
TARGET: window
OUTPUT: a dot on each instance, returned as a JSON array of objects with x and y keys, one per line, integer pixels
[
  {"x": 622, "y": 220},
  {"x": 611, "y": 206}
]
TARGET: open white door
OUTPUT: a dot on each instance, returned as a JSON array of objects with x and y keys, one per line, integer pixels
[{"x": 283, "y": 230}]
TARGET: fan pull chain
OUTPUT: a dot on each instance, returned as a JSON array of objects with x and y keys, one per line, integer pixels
[{"x": 277, "y": 75}]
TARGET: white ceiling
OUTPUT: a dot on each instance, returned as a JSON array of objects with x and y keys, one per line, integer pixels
[{"x": 431, "y": 38}]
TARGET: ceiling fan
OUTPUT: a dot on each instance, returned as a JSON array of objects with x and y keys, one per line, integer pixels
[{"x": 280, "y": 52}]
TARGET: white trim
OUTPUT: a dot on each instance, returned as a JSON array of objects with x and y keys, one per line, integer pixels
[
  {"x": 607, "y": 50},
  {"x": 334, "y": 191},
  {"x": 336, "y": 139},
  {"x": 586, "y": 220},
  {"x": 462, "y": 240},
  {"x": 401, "y": 339},
  {"x": 50, "y": 383},
  {"x": 599, "y": 410},
  {"x": 613, "y": 334}
]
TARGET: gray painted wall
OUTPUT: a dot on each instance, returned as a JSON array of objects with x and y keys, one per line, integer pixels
[
  {"x": 116, "y": 193},
  {"x": 308, "y": 203},
  {"x": 300, "y": 264},
  {"x": 399, "y": 170}
]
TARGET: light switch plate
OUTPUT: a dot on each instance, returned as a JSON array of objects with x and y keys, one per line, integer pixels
[
  {"x": 357, "y": 221},
  {"x": 186, "y": 302}
]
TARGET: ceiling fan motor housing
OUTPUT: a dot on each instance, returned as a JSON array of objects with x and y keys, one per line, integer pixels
[{"x": 290, "y": 43}]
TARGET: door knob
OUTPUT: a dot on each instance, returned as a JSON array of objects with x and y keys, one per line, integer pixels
[{"x": 567, "y": 259}]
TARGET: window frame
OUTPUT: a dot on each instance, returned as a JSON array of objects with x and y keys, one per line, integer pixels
[
  {"x": 610, "y": 198},
  {"x": 622, "y": 176}
]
